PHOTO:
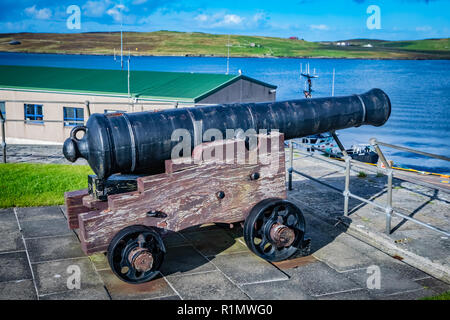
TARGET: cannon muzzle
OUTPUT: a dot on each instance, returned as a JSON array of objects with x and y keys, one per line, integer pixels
[{"x": 141, "y": 142}]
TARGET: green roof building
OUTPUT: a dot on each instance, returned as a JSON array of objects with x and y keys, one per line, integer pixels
[
  {"x": 147, "y": 85},
  {"x": 42, "y": 104}
]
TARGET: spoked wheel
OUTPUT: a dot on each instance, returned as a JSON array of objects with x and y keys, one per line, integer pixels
[
  {"x": 274, "y": 229},
  {"x": 135, "y": 254}
]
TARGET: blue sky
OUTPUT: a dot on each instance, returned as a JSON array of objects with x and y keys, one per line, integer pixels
[{"x": 313, "y": 20}]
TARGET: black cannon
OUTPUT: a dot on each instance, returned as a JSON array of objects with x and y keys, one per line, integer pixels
[
  {"x": 140, "y": 142},
  {"x": 149, "y": 194}
]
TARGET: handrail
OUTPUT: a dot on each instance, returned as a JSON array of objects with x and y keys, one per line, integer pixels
[
  {"x": 374, "y": 141},
  {"x": 388, "y": 208}
]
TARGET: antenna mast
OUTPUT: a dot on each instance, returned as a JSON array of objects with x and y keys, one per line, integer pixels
[
  {"x": 332, "y": 86},
  {"x": 121, "y": 41},
  {"x": 308, "y": 76},
  {"x": 129, "y": 95}
]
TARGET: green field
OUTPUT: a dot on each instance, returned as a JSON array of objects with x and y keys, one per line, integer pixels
[
  {"x": 170, "y": 43},
  {"x": 26, "y": 184}
]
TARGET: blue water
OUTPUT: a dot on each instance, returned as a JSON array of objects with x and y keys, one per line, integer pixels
[{"x": 419, "y": 92}]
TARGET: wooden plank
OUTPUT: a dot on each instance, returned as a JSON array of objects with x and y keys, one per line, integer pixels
[
  {"x": 74, "y": 206},
  {"x": 93, "y": 204}
]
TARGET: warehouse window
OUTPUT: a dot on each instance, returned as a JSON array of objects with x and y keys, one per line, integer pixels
[
  {"x": 34, "y": 113},
  {"x": 73, "y": 116},
  {"x": 3, "y": 110}
]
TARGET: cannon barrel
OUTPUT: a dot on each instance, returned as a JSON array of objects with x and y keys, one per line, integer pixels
[{"x": 141, "y": 142}]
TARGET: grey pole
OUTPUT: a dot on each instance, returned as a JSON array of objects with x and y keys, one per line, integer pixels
[
  {"x": 2, "y": 120},
  {"x": 389, "y": 202},
  {"x": 347, "y": 184},
  {"x": 291, "y": 164},
  {"x": 88, "y": 108}
]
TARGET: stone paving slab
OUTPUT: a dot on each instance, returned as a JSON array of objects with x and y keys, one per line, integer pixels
[
  {"x": 39, "y": 213},
  {"x": 100, "y": 261},
  {"x": 86, "y": 294},
  {"x": 246, "y": 267},
  {"x": 52, "y": 277},
  {"x": 391, "y": 282},
  {"x": 8, "y": 221},
  {"x": 175, "y": 297},
  {"x": 175, "y": 239},
  {"x": 434, "y": 285},
  {"x": 54, "y": 248},
  {"x": 18, "y": 290},
  {"x": 11, "y": 241},
  {"x": 215, "y": 242},
  {"x": 318, "y": 279},
  {"x": 408, "y": 295},
  {"x": 185, "y": 260},
  {"x": 14, "y": 266},
  {"x": 119, "y": 290},
  {"x": 358, "y": 294},
  {"x": 45, "y": 228},
  {"x": 9, "y": 231},
  {"x": 207, "y": 286},
  {"x": 276, "y": 290}
]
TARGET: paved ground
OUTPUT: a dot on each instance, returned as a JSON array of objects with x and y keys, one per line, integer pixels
[
  {"x": 429, "y": 249},
  {"x": 38, "y": 254},
  {"x": 37, "y": 154}
]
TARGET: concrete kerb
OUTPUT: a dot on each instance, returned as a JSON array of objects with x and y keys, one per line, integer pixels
[{"x": 384, "y": 243}]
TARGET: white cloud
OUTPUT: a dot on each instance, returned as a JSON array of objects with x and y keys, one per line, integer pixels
[
  {"x": 116, "y": 12},
  {"x": 321, "y": 27},
  {"x": 424, "y": 28},
  {"x": 95, "y": 8},
  {"x": 41, "y": 14},
  {"x": 232, "y": 19},
  {"x": 201, "y": 17},
  {"x": 219, "y": 19}
]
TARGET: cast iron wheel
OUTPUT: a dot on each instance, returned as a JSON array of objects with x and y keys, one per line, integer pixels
[
  {"x": 136, "y": 253},
  {"x": 274, "y": 229}
]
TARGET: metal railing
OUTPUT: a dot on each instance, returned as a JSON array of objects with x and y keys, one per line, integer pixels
[{"x": 387, "y": 170}]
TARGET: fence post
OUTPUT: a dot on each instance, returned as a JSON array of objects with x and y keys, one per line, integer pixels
[
  {"x": 347, "y": 184},
  {"x": 2, "y": 120},
  {"x": 390, "y": 172},
  {"x": 389, "y": 209},
  {"x": 291, "y": 164}
]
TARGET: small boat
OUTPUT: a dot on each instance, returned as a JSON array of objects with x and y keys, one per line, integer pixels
[
  {"x": 360, "y": 152},
  {"x": 318, "y": 142}
]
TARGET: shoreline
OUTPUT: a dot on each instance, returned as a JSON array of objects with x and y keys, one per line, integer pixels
[{"x": 224, "y": 56}]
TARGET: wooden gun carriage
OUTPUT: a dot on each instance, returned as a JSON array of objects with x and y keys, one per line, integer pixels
[
  {"x": 191, "y": 193},
  {"x": 132, "y": 203}
]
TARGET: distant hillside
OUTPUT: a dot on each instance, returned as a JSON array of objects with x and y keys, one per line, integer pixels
[{"x": 169, "y": 43}]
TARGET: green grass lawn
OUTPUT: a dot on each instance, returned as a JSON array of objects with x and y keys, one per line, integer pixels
[{"x": 27, "y": 184}]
